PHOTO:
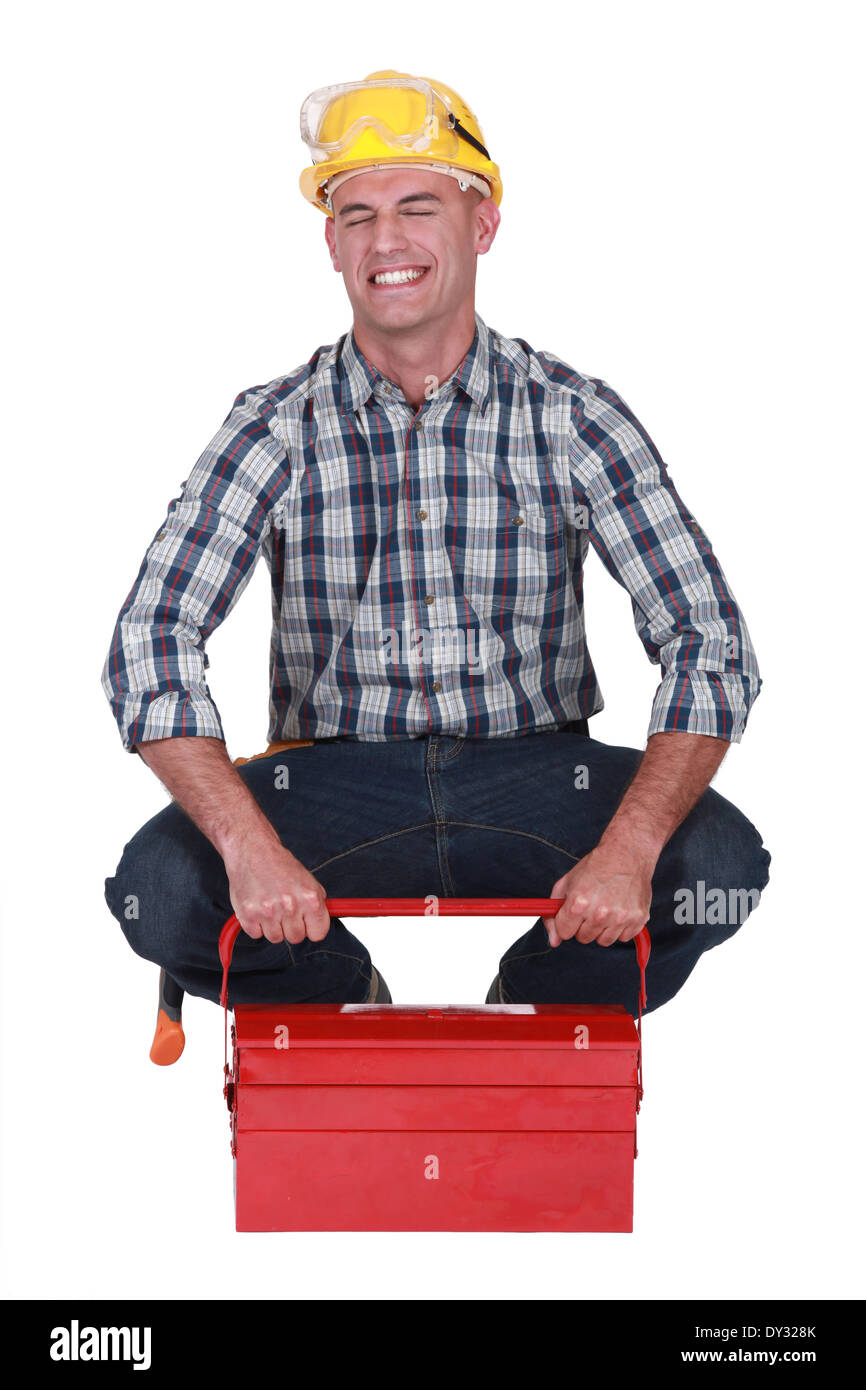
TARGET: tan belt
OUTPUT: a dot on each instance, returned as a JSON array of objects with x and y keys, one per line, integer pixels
[{"x": 278, "y": 747}]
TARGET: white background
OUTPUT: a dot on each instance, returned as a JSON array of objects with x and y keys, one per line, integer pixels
[{"x": 680, "y": 217}]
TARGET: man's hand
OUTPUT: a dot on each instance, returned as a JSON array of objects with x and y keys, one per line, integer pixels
[
  {"x": 607, "y": 899},
  {"x": 608, "y": 895},
  {"x": 274, "y": 896}
]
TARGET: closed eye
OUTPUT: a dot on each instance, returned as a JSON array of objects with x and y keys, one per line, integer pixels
[{"x": 360, "y": 220}]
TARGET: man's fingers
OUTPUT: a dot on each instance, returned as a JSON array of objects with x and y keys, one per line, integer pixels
[
  {"x": 249, "y": 919},
  {"x": 559, "y": 890},
  {"x": 609, "y": 936},
  {"x": 276, "y": 920},
  {"x": 291, "y": 924},
  {"x": 571, "y": 917},
  {"x": 317, "y": 919},
  {"x": 272, "y": 922},
  {"x": 634, "y": 929},
  {"x": 607, "y": 925},
  {"x": 305, "y": 915},
  {"x": 601, "y": 909},
  {"x": 552, "y": 934},
  {"x": 290, "y": 918},
  {"x": 625, "y": 931},
  {"x": 596, "y": 920}
]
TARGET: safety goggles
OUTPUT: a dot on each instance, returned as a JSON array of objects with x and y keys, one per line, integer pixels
[{"x": 407, "y": 113}]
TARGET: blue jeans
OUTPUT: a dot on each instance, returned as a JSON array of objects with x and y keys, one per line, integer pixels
[{"x": 455, "y": 817}]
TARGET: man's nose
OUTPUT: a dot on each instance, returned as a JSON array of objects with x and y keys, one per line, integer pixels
[{"x": 389, "y": 232}]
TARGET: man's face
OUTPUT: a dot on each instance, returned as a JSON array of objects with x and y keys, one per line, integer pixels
[{"x": 408, "y": 220}]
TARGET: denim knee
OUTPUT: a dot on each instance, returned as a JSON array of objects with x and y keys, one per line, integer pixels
[
  {"x": 169, "y": 882},
  {"x": 718, "y": 869}
]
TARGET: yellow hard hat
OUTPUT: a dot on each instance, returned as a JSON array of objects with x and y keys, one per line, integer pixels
[{"x": 387, "y": 119}]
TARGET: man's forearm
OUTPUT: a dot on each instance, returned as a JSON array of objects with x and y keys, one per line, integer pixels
[
  {"x": 272, "y": 893},
  {"x": 608, "y": 893},
  {"x": 202, "y": 780},
  {"x": 673, "y": 775}
]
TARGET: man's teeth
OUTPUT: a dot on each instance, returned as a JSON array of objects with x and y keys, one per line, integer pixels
[{"x": 397, "y": 277}]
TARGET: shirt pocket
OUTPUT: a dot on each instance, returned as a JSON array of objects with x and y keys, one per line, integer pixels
[
  {"x": 544, "y": 551},
  {"x": 505, "y": 552}
]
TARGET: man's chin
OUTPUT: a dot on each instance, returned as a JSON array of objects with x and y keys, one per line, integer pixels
[{"x": 395, "y": 318}]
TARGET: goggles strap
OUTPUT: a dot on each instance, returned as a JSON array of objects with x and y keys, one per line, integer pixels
[{"x": 455, "y": 125}]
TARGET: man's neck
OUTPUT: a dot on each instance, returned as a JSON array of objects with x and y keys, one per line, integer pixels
[{"x": 418, "y": 360}]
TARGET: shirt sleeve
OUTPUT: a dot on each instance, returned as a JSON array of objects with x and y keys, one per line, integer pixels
[
  {"x": 685, "y": 613},
  {"x": 194, "y": 571}
]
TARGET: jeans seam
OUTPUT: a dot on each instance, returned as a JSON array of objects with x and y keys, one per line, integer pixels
[
  {"x": 444, "y": 866},
  {"x": 527, "y": 955},
  {"x": 430, "y": 779},
  {"x": 458, "y": 748},
  {"x": 366, "y": 844},
  {"x": 323, "y": 951},
  {"x": 440, "y": 823},
  {"x": 525, "y": 834}
]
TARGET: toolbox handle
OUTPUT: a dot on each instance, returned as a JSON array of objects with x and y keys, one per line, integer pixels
[{"x": 442, "y": 907}]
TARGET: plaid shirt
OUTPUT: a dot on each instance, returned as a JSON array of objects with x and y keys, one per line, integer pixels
[{"x": 427, "y": 567}]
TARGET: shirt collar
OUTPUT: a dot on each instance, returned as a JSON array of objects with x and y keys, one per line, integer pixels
[{"x": 359, "y": 379}]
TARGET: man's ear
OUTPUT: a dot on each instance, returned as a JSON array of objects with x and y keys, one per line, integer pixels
[
  {"x": 487, "y": 219},
  {"x": 331, "y": 239}
]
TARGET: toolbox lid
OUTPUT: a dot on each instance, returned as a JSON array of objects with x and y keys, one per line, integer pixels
[{"x": 604, "y": 1027}]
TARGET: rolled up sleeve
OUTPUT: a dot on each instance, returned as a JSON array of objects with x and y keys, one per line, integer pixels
[
  {"x": 192, "y": 574},
  {"x": 684, "y": 610}
]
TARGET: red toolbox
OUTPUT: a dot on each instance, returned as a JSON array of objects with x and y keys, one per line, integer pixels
[{"x": 379, "y": 1117}]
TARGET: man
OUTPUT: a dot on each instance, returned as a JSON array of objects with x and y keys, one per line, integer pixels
[{"x": 425, "y": 492}]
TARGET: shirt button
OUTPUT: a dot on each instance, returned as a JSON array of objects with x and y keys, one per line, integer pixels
[
  {"x": 437, "y": 686},
  {"x": 518, "y": 521},
  {"x": 428, "y": 599},
  {"x": 421, "y": 514}
]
